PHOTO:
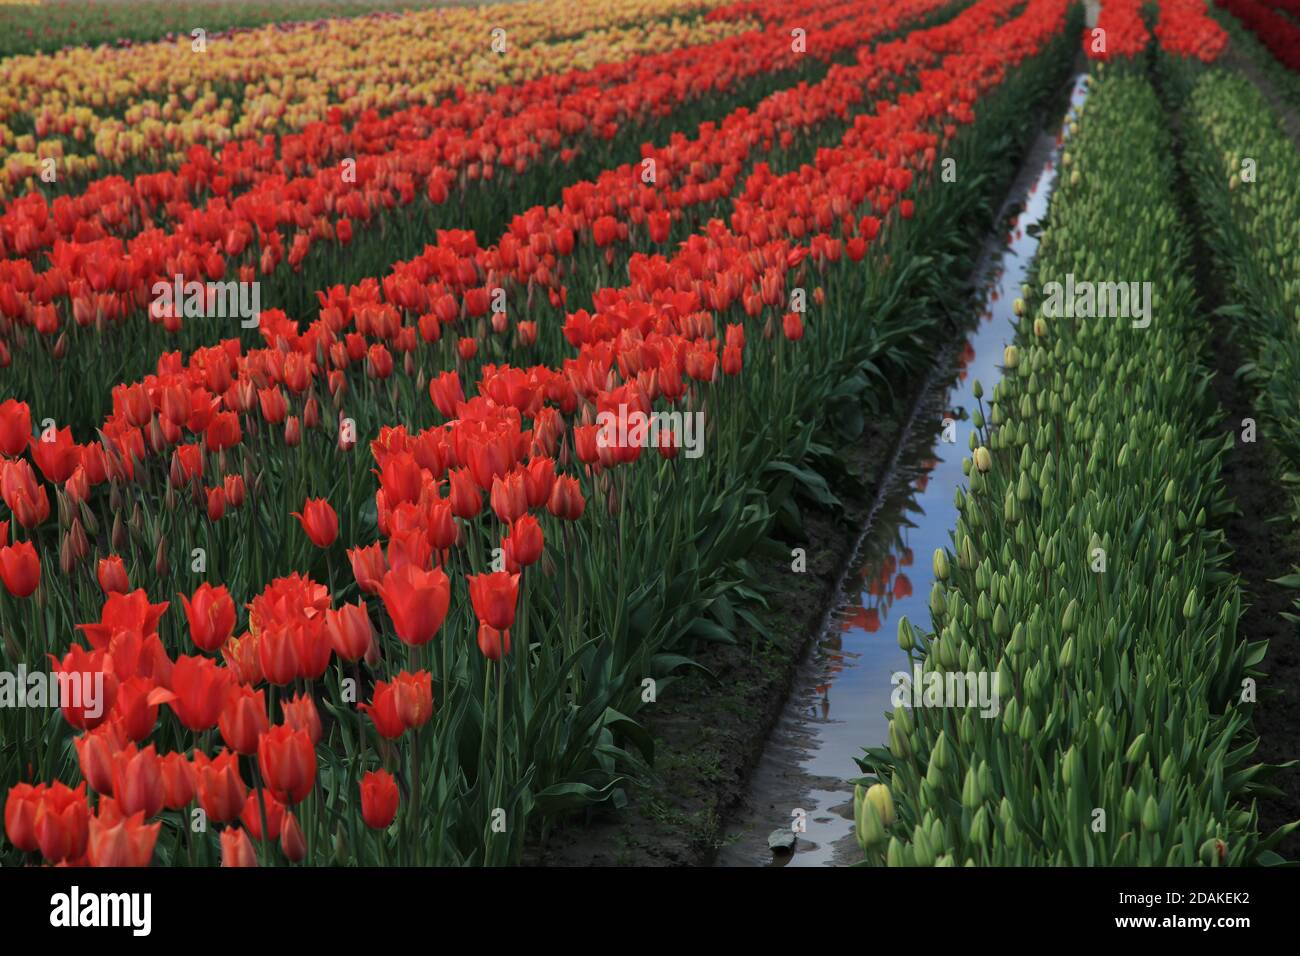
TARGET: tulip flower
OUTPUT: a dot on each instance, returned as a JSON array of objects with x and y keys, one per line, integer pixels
[
  {"x": 402, "y": 704},
  {"x": 368, "y": 567},
  {"x": 417, "y": 602},
  {"x": 15, "y": 427},
  {"x": 178, "y": 781},
  {"x": 251, "y": 816},
  {"x": 243, "y": 719},
  {"x": 20, "y": 815},
  {"x": 320, "y": 522},
  {"x": 220, "y": 789},
  {"x": 350, "y": 631},
  {"x": 111, "y": 573},
  {"x": 526, "y": 540},
  {"x": 236, "y": 849},
  {"x": 61, "y": 823},
  {"x": 137, "y": 781},
  {"x": 20, "y": 569},
  {"x": 493, "y": 644},
  {"x": 379, "y": 799},
  {"x": 198, "y": 692},
  {"x": 292, "y": 842},
  {"x": 123, "y": 842},
  {"x": 95, "y": 752},
  {"x": 494, "y": 597},
  {"x": 211, "y": 616},
  {"x": 287, "y": 760},
  {"x": 300, "y": 713},
  {"x": 93, "y": 684}
]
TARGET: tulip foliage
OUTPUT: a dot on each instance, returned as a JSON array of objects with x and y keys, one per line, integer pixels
[
  {"x": 1086, "y": 571},
  {"x": 1231, "y": 134}
]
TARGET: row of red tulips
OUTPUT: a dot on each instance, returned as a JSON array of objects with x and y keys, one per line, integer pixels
[
  {"x": 442, "y": 287},
  {"x": 508, "y": 128},
  {"x": 1273, "y": 27},
  {"x": 102, "y": 282}
]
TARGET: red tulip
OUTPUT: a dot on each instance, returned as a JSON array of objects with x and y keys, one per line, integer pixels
[
  {"x": 319, "y": 521},
  {"x": 368, "y": 567},
  {"x": 243, "y": 719},
  {"x": 137, "y": 781},
  {"x": 493, "y": 644},
  {"x": 466, "y": 499},
  {"x": 134, "y": 714},
  {"x": 56, "y": 455},
  {"x": 236, "y": 849},
  {"x": 350, "y": 631},
  {"x": 221, "y": 790},
  {"x": 566, "y": 499},
  {"x": 121, "y": 841},
  {"x": 402, "y": 704},
  {"x": 216, "y": 503},
  {"x": 274, "y": 405},
  {"x": 509, "y": 496},
  {"x": 539, "y": 479},
  {"x": 20, "y": 568},
  {"x": 494, "y": 597},
  {"x": 278, "y": 655},
  {"x": 211, "y": 616},
  {"x": 15, "y": 427},
  {"x": 417, "y": 602},
  {"x": 251, "y": 817},
  {"x": 288, "y": 763},
  {"x": 292, "y": 843},
  {"x": 92, "y": 685},
  {"x": 111, "y": 573},
  {"x": 95, "y": 750},
  {"x": 792, "y": 326},
  {"x": 61, "y": 823},
  {"x": 20, "y": 815},
  {"x": 198, "y": 691},
  {"x": 379, "y": 799},
  {"x": 526, "y": 540},
  {"x": 300, "y": 713},
  {"x": 178, "y": 781}
]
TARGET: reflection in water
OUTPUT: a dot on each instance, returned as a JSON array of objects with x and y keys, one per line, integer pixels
[{"x": 810, "y": 758}]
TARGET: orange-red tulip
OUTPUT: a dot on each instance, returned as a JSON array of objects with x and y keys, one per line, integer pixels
[
  {"x": 379, "y": 799},
  {"x": 288, "y": 763}
]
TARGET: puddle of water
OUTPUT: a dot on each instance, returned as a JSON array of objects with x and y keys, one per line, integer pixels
[{"x": 842, "y": 692}]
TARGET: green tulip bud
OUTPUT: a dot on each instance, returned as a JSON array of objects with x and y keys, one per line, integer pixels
[
  {"x": 941, "y": 564},
  {"x": 906, "y": 641},
  {"x": 1001, "y": 623},
  {"x": 882, "y": 801},
  {"x": 1150, "y": 814},
  {"x": 1070, "y": 619}
]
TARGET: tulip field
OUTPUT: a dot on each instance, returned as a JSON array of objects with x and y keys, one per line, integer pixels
[{"x": 400, "y": 402}]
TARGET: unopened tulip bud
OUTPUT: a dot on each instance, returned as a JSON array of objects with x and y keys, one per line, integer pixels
[
  {"x": 941, "y": 564},
  {"x": 160, "y": 566},
  {"x": 1010, "y": 357},
  {"x": 983, "y": 460},
  {"x": 80, "y": 543}
]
